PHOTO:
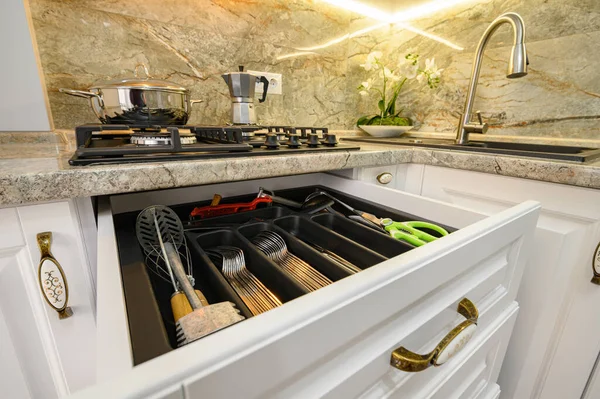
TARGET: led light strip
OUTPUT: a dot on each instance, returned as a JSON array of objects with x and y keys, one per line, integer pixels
[
  {"x": 342, "y": 38},
  {"x": 362, "y": 9},
  {"x": 429, "y": 36},
  {"x": 398, "y": 19},
  {"x": 309, "y": 50},
  {"x": 400, "y": 16}
]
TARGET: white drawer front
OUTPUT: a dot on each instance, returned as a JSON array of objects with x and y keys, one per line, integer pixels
[
  {"x": 315, "y": 344},
  {"x": 40, "y": 354}
]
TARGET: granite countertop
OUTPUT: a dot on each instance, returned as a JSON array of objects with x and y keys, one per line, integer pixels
[{"x": 34, "y": 167}]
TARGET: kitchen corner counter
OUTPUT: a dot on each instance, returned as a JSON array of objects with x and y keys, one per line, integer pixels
[{"x": 38, "y": 170}]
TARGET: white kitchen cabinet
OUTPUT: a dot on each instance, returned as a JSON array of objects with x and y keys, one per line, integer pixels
[
  {"x": 337, "y": 341},
  {"x": 557, "y": 335},
  {"x": 41, "y": 355},
  {"x": 405, "y": 177}
]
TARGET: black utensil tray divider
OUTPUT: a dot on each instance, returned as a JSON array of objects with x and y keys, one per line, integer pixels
[{"x": 147, "y": 296}]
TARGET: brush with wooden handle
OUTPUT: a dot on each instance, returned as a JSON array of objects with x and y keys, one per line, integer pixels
[{"x": 161, "y": 230}]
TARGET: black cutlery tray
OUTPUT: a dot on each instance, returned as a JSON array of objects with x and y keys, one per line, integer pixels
[{"x": 147, "y": 296}]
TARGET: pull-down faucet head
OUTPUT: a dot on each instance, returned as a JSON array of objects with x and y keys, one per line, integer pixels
[{"x": 517, "y": 67}]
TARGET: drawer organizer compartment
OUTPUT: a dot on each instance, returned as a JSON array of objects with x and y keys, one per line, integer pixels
[
  {"x": 382, "y": 244},
  {"x": 289, "y": 252}
]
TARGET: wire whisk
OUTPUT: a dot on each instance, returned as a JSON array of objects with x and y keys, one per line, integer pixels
[
  {"x": 172, "y": 231},
  {"x": 251, "y": 290},
  {"x": 273, "y": 245}
]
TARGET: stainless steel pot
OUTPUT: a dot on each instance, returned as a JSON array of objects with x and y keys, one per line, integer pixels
[{"x": 140, "y": 101}]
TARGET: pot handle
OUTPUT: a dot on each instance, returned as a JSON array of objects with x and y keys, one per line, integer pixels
[
  {"x": 79, "y": 93},
  {"x": 196, "y": 101},
  {"x": 84, "y": 94}
]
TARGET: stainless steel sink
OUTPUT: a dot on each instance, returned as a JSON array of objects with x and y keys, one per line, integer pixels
[{"x": 563, "y": 153}]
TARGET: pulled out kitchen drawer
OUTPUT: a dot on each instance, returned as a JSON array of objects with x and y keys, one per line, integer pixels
[
  {"x": 337, "y": 340},
  {"x": 317, "y": 240}
]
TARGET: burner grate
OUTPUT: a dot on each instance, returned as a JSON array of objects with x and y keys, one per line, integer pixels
[
  {"x": 97, "y": 144},
  {"x": 225, "y": 135}
]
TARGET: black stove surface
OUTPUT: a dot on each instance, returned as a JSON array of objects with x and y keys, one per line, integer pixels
[{"x": 108, "y": 144}]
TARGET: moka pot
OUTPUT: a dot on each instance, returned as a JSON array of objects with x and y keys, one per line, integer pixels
[{"x": 241, "y": 89}]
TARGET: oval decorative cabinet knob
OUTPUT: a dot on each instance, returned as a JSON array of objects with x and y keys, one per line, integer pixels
[
  {"x": 596, "y": 266},
  {"x": 451, "y": 344},
  {"x": 52, "y": 279},
  {"x": 385, "y": 178}
]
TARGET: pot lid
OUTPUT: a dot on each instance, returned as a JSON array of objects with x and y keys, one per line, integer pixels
[{"x": 146, "y": 83}]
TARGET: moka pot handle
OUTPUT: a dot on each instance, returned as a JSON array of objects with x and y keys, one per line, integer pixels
[{"x": 265, "y": 81}]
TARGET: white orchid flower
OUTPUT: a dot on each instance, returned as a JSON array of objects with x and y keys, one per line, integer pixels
[
  {"x": 432, "y": 69},
  {"x": 372, "y": 59},
  {"x": 389, "y": 80},
  {"x": 437, "y": 73},
  {"x": 430, "y": 64}
]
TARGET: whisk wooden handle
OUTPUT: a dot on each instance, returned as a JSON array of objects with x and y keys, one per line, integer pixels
[
  {"x": 181, "y": 306},
  {"x": 179, "y": 272}
]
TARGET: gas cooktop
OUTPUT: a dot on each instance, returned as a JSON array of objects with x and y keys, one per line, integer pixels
[{"x": 107, "y": 144}]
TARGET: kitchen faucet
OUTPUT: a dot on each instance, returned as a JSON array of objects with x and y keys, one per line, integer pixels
[{"x": 517, "y": 67}]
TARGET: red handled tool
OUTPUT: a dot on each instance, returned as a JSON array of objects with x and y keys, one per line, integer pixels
[{"x": 209, "y": 211}]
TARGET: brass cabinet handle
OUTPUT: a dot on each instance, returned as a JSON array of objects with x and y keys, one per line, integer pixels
[
  {"x": 452, "y": 343},
  {"x": 52, "y": 279},
  {"x": 596, "y": 266}
]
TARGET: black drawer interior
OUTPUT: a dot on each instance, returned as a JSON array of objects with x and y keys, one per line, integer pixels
[{"x": 147, "y": 295}]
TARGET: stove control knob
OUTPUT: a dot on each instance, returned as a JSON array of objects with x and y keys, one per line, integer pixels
[
  {"x": 293, "y": 141},
  {"x": 313, "y": 140},
  {"x": 271, "y": 142},
  {"x": 330, "y": 140}
]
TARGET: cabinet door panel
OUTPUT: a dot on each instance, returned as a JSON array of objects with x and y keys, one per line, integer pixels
[
  {"x": 12, "y": 379},
  {"x": 26, "y": 335},
  {"x": 74, "y": 337},
  {"x": 554, "y": 324}
]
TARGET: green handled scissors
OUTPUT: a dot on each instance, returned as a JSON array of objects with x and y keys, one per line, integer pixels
[{"x": 410, "y": 231}]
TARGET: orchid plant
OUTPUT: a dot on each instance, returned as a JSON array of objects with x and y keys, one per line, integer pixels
[{"x": 388, "y": 83}]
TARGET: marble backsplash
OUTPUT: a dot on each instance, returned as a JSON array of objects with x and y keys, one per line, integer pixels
[
  {"x": 192, "y": 42},
  {"x": 560, "y": 97}
]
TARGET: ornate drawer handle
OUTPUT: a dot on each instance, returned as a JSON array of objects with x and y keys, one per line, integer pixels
[
  {"x": 596, "y": 266},
  {"x": 51, "y": 278},
  {"x": 452, "y": 343}
]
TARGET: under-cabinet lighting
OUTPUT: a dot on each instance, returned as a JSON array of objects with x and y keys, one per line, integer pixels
[
  {"x": 292, "y": 55},
  {"x": 397, "y": 19},
  {"x": 310, "y": 50},
  {"x": 429, "y": 36},
  {"x": 342, "y": 38},
  {"x": 361, "y": 8},
  {"x": 399, "y": 16}
]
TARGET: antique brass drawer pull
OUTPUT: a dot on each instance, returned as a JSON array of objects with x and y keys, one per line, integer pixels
[
  {"x": 452, "y": 343},
  {"x": 596, "y": 266},
  {"x": 51, "y": 278}
]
